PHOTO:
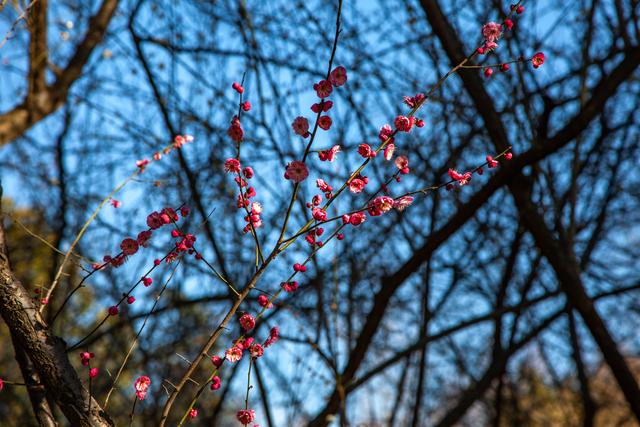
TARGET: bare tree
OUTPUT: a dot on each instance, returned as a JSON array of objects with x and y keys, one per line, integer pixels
[{"x": 443, "y": 314}]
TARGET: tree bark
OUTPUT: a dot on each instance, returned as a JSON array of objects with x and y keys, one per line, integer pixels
[
  {"x": 46, "y": 351},
  {"x": 37, "y": 393}
]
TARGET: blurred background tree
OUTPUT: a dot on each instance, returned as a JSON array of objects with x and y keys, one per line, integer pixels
[{"x": 426, "y": 317}]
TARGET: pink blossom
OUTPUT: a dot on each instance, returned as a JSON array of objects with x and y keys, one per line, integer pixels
[
  {"x": 454, "y": 174},
  {"x": 180, "y": 140},
  {"x": 143, "y": 238},
  {"x": 118, "y": 261},
  {"x": 386, "y": 133},
  {"x": 142, "y": 163},
  {"x": 246, "y": 106},
  {"x": 289, "y": 286},
  {"x": 373, "y": 209},
  {"x": 463, "y": 179},
  {"x": 325, "y": 122},
  {"x": 402, "y": 202},
  {"x": 244, "y": 343},
  {"x": 113, "y": 310},
  {"x": 247, "y": 322},
  {"x": 319, "y": 214},
  {"x": 250, "y": 193},
  {"x": 154, "y": 221},
  {"x": 93, "y": 372},
  {"x": 299, "y": 268},
  {"x": 338, "y": 76},
  {"x": 247, "y": 172},
  {"x": 357, "y": 218},
  {"x": 236, "y": 86},
  {"x": 232, "y": 165},
  {"x": 296, "y": 171},
  {"x": 129, "y": 246},
  {"x": 263, "y": 300},
  {"x": 233, "y": 354},
  {"x": 310, "y": 238},
  {"x": 365, "y": 151},
  {"x": 323, "y": 88},
  {"x": 168, "y": 215},
  {"x": 491, "y": 31},
  {"x": 324, "y": 106},
  {"x": 141, "y": 386},
  {"x": 85, "y": 357},
  {"x": 193, "y": 412},
  {"x": 329, "y": 154},
  {"x": 508, "y": 23},
  {"x": 217, "y": 361},
  {"x": 491, "y": 162},
  {"x": 147, "y": 281},
  {"x": 256, "y": 208},
  {"x": 323, "y": 186},
  {"x": 402, "y": 163},
  {"x": 215, "y": 383},
  {"x": 115, "y": 203},
  {"x": 356, "y": 185},
  {"x": 235, "y": 131},
  {"x": 489, "y": 46},
  {"x": 414, "y": 101},
  {"x": 274, "y": 333},
  {"x": 537, "y": 60},
  {"x": 256, "y": 350},
  {"x": 381, "y": 204},
  {"x": 1, "y": 384},
  {"x": 246, "y": 416},
  {"x": 300, "y": 126},
  {"x": 403, "y": 123},
  {"x": 388, "y": 151}
]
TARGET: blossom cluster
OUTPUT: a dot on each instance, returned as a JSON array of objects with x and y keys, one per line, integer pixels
[
  {"x": 85, "y": 359},
  {"x": 233, "y": 165},
  {"x": 142, "y": 386},
  {"x": 297, "y": 170},
  {"x": 130, "y": 246},
  {"x": 178, "y": 142},
  {"x": 256, "y": 350},
  {"x": 378, "y": 200},
  {"x": 492, "y": 32}
]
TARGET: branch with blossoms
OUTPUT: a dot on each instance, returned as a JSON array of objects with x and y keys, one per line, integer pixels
[
  {"x": 184, "y": 243},
  {"x": 297, "y": 171},
  {"x": 131, "y": 244}
]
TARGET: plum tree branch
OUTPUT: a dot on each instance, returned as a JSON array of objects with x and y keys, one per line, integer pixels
[{"x": 45, "y": 350}]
